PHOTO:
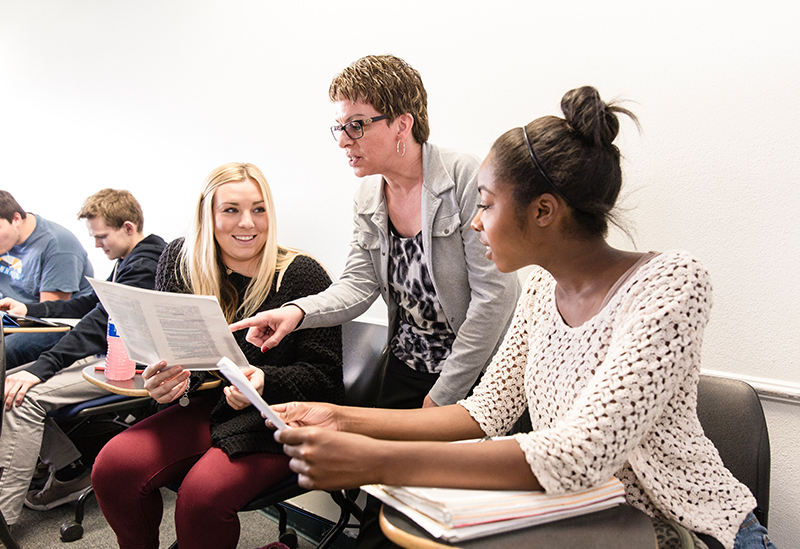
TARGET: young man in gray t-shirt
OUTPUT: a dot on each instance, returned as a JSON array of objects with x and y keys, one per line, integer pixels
[{"x": 39, "y": 261}]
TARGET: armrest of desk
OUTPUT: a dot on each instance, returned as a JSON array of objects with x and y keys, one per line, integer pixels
[
  {"x": 130, "y": 387},
  {"x": 44, "y": 330},
  {"x": 621, "y": 527},
  {"x": 70, "y": 321}
]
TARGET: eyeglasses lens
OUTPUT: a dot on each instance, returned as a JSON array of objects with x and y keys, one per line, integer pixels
[{"x": 354, "y": 129}]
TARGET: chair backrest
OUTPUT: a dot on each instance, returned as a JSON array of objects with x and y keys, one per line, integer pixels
[
  {"x": 2, "y": 373},
  {"x": 363, "y": 345},
  {"x": 732, "y": 417},
  {"x": 5, "y": 534}
]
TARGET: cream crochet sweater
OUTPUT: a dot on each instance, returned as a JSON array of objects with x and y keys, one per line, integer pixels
[{"x": 617, "y": 396}]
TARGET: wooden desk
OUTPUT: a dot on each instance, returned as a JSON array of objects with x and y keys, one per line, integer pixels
[
  {"x": 621, "y": 527},
  {"x": 131, "y": 387},
  {"x": 18, "y": 330}
]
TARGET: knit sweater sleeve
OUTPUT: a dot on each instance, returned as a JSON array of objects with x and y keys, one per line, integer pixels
[
  {"x": 168, "y": 278},
  {"x": 307, "y": 365},
  {"x": 505, "y": 375}
]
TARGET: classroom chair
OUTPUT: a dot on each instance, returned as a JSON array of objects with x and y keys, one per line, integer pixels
[
  {"x": 116, "y": 412},
  {"x": 732, "y": 417},
  {"x": 5, "y": 533}
]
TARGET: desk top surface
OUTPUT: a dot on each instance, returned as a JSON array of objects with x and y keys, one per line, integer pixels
[
  {"x": 621, "y": 527},
  {"x": 43, "y": 330},
  {"x": 131, "y": 387}
]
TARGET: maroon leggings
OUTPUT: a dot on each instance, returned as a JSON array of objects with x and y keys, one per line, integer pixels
[{"x": 174, "y": 446}]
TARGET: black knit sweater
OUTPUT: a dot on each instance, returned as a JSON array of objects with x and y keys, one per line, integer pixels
[{"x": 307, "y": 365}]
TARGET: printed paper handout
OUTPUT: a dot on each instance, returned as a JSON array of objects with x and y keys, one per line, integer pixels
[
  {"x": 235, "y": 376},
  {"x": 184, "y": 329}
]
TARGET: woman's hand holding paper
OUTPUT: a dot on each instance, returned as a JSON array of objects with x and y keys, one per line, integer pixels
[
  {"x": 236, "y": 398},
  {"x": 164, "y": 384}
]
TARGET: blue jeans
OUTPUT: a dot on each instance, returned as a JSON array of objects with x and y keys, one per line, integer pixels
[
  {"x": 752, "y": 535},
  {"x": 26, "y": 347}
]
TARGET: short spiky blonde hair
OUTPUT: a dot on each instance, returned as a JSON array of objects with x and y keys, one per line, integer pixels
[
  {"x": 201, "y": 262},
  {"x": 115, "y": 207},
  {"x": 390, "y": 85}
]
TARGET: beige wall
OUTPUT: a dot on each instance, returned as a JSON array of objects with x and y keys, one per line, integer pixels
[{"x": 151, "y": 95}]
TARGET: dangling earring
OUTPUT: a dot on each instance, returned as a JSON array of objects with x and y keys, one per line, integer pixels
[{"x": 401, "y": 142}]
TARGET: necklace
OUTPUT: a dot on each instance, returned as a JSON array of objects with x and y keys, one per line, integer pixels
[{"x": 184, "y": 401}]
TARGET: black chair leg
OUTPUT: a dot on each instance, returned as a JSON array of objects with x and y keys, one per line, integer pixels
[
  {"x": 286, "y": 535},
  {"x": 289, "y": 538},
  {"x": 72, "y": 530},
  {"x": 348, "y": 506},
  {"x": 5, "y": 535},
  {"x": 331, "y": 535},
  {"x": 283, "y": 518},
  {"x": 349, "y": 499}
]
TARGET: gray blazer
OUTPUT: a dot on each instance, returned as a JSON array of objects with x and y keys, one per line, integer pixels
[{"x": 477, "y": 299}]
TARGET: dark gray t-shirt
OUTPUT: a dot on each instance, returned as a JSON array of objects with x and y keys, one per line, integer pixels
[{"x": 50, "y": 260}]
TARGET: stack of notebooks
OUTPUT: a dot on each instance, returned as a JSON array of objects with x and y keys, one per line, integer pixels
[{"x": 457, "y": 515}]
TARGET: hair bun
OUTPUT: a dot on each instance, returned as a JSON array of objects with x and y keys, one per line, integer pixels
[{"x": 590, "y": 116}]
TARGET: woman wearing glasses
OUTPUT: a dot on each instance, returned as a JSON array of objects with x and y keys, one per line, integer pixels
[{"x": 412, "y": 245}]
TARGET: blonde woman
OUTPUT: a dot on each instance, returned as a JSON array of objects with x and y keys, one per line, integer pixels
[{"x": 214, "y": 442}]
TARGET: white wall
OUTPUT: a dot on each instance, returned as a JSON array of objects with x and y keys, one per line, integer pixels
[{"x": 151, "y": 95}]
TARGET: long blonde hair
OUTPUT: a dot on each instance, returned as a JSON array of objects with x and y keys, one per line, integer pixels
[{"x": 200, "y": 260}]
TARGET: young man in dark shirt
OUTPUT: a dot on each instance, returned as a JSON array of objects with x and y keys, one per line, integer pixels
[{"x": 114, "y": 219}]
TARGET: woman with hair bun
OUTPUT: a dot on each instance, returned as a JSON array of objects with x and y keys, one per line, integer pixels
[{"x": 603, "y": 351}]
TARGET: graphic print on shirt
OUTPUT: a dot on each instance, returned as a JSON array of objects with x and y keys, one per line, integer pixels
[
  {"x": 11, "y": 266},
  {"x": 423, "y": 340}
]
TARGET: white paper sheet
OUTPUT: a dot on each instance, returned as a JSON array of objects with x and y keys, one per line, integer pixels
[
  {"x": 235, "y": 376},
  {"x": 185, "y": 329}
]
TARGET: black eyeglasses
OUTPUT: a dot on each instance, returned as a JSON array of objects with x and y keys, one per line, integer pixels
[{"x": 355, "y": 128}]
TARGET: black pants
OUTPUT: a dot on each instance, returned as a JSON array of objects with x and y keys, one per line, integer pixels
[{"x": 402, "y": 389}]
